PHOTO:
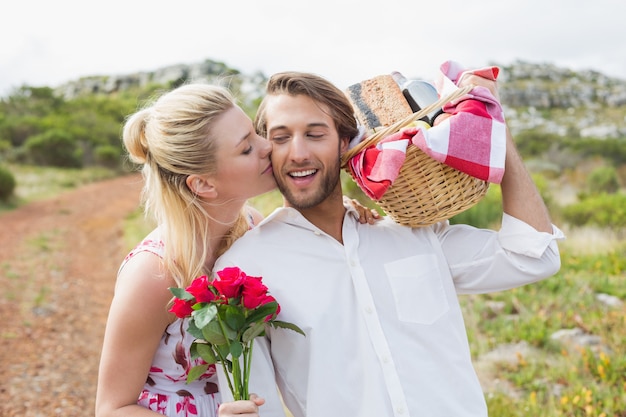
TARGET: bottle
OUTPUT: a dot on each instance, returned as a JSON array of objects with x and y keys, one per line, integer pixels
[{"x": 418, "y": 94}]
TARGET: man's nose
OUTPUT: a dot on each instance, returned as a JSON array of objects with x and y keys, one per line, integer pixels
[{"x": 298, "y": 149}]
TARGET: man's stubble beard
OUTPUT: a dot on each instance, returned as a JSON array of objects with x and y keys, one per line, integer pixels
[{"x": 329, "y": 183}]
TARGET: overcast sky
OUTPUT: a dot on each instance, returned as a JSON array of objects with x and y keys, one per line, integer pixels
[{"x": 47, "y": 43}]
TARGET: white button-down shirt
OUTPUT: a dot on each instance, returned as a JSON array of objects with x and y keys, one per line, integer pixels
[{"x": 384, "y": 330}]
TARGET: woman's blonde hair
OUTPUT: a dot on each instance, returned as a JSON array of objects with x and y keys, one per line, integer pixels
[{"x": 172, "y": 138}]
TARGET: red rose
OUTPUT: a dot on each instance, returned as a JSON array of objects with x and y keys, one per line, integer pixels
[
  {"x": 254, "y": 292},
  {"x": 181, "y": 308},
  {"x": 230, "y": 282},
  {"x": 199, "y": 288},
  {"x": 269, "y": 299}
]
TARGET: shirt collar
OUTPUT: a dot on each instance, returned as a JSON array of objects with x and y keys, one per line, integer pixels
[{"x": 292, "y": 216}]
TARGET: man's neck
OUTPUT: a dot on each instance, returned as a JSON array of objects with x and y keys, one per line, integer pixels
[{"x": 327, "y": 216}]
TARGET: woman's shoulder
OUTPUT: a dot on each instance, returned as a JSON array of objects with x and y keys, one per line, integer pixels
[
  {"x": 254, "y": 216},
  {"x": 152, "y": 243}
]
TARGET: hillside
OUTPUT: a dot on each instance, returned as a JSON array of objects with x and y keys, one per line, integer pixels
[{"x": 535, "y": 95}]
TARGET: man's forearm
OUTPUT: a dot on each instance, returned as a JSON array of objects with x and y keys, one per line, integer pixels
[{"x": 520, "y": 197}]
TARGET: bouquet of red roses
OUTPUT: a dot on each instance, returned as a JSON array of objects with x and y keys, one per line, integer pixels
[{"x": 225, "y": 315}]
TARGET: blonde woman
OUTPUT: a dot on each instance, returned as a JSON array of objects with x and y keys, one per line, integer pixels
[{"x": 201, "y": 161}]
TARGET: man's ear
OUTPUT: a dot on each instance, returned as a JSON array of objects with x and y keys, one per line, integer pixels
[
  {"x": 202, "y": 186},
  {"x": 345, "y": 143}
]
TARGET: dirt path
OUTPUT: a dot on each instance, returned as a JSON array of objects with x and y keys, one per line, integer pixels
[{"x": 58, "y": 260}]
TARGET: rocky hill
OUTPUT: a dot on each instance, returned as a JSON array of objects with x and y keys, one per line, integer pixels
[
  {"x": 535, "y": 95},
  {"x": 562, "y": 101}
]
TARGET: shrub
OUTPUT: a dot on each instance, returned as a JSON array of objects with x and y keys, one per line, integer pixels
[
  {"x": 54, "y": 148},
  {"x": 108, "y": 156},
  {"x": 603, "y": 179},
  {"x": 487, "y": 213},
  {"x": 603, "y": 210},
  {"x": 7, "y": 184}
]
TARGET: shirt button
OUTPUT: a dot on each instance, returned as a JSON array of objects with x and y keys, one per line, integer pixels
[
  {"x": 317, "y": 233},
  {"x": 400, "y": 410},
  {"x": 352, "y": 263},
  {"x": 369, "y": 309},
  {"x": 385, "y": 359}
]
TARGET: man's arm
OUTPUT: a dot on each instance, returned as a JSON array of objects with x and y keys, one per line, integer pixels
[{"x": 520, "y": 197}]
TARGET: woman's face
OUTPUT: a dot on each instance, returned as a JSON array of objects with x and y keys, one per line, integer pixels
[{"x": 244, "y": 169}]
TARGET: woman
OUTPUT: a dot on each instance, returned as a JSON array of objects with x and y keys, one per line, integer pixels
[{"x": 202, "y": 160}]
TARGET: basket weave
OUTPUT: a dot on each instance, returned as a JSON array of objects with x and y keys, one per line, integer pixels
[{"x": 426, "y": 191}]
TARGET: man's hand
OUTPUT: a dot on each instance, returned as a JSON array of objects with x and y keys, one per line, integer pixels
[{"x": 472, "y": 79}]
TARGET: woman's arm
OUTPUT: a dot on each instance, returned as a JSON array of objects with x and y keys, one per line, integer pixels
[{"x": 137, "y": 319}]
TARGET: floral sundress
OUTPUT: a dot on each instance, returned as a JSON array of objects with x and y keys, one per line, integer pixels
[{"x": 166, "y": 390}]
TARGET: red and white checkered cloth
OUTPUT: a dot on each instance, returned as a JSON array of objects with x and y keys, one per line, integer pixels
[{"x": 472, "y": 139}]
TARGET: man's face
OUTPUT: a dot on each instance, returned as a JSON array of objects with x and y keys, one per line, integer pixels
[{"x": 306, "y": 150}]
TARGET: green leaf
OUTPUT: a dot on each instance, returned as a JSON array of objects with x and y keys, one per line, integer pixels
[
  {"x": 256, "y": 330},
  {"x": 212, "y": 333},
  {"x": 193, "y": 352},
  {"x": 234, "y": 301},
  {"x": 261, "y": 312},
  {"x": 193, "y": 330},
  {"x": 205, "y": 315},
  {"x": 206, "y": 352},
  {"x": 223, "y": 350},
  {"x": 234, "y": 317},
  {"x": 236, "y": 349},
  {"x": 196, "y": 372},
  {"x": 181, "y": 293},
  {"x": 285, "y": 325}
]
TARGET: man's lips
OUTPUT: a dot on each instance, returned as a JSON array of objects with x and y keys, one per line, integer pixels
[{"x": 302, "y": 173}]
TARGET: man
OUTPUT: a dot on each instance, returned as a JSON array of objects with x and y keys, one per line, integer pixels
[{"x": 384, "y": 330}]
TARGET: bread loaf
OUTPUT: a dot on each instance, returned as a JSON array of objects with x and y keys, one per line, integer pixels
[{"x": 378, "y": 102}]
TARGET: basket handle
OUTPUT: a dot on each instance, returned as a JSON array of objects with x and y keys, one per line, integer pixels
[{"x": 384, "y": 132}]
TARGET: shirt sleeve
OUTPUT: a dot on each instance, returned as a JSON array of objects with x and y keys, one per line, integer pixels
[
  {"x": 519, "y": 237},
  {"x": 482, "y": 261}
]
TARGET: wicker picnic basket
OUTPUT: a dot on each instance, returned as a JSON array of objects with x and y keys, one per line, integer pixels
[{"x": 426, "y": 191}]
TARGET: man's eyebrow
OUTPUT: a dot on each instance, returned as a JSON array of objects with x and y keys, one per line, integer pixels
[
  {"x": 313, "y": 124},
  {"x": 279, "y": 127},
  {"x": 318, "y": 124}
]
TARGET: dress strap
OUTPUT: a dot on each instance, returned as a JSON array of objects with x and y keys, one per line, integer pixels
[{"x": 147, "y": 245}]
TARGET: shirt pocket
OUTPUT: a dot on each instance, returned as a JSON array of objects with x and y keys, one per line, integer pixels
[{"x": 417, "y": 289}]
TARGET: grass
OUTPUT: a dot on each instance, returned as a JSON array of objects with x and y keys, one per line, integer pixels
[{"x": 560, "y": 378}]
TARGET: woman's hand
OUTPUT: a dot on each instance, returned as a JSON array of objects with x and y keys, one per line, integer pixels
[
  {"x": 366, "y": 215},
  {"x": 246, "y": 408}
]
